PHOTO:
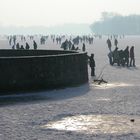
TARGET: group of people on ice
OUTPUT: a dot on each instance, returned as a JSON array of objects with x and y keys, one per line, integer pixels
[
  {"x": 68, "y": 45},
  {"x": 26, "y": 47},
  {"x": 124, "y": 57}
]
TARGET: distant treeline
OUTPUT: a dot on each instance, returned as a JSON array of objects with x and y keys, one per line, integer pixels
[
  {"x": 72, "y": 28},
  {"x": 117, "y": 24}
]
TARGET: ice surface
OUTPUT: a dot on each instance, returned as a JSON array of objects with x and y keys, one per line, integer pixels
[{"x": 87, "y": 112}]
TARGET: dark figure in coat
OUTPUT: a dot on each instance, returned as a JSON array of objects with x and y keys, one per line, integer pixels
[
  {"x": 27, "y": 47},
  {"x": 110, "y": 56},
  {"x": 109, "y": 43},
  {"x": 22, "y": 47},
  {"x": 116, "y": 58},
  {"x": 73, "y": 47},
  {"x": 115, "y": 42},
  {"x": 65, "y": 45},
  {"x": 84, "y": 47},
  {"x": 17, "y": 46},
  {"x": 132, "y": 57},
  {"x": 92, "y": 64},
  {"x": 35, "y": 45},
  {"x": 126, "y": 55}
]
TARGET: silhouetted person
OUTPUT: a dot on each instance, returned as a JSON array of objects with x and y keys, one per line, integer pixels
[
  {"x": 27, "y": 47},
  {"x": 17, "y": 46},
  {"x": 10, "y": 41},
  {"x": 65, "y": 45},
  {"x": 69, "y": 44},
  {"x": 109, "y": 43},
  {"x": 22, "y": 48},
  {"x": 110, "y": 56},
  {"x": 35, "y": 45},
  {"x": 116, "y": 56},
  {"x": 84, "y": 47},
  {"x": 126, "y": 55},
  {"x": 132, "y": 57},
  {"x": 115, "y": 42},
  {"x": 92, "y": 64},
  {"x": 14, "y": 40},
  {"x": 73, "y": 47}
]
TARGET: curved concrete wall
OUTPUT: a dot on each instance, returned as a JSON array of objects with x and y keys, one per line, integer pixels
[{"x": 22, "y": 70}]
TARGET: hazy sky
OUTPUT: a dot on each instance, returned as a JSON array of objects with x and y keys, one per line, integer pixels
[{"x": 53, "y": 12}]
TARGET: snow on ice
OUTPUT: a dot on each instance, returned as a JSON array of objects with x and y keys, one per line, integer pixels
[{"x": 89, "y": 112}]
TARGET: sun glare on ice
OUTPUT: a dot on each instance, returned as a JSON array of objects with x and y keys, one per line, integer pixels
[
  {"x": 96, "y": 124},
  {"x": 112, "y": 85}
]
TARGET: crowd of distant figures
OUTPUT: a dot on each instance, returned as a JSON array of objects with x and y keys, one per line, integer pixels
[
  {"x": 65, "y": 42},
  {"x": 121, "y": 57},
  {"x": 70, "y": 44},
  {"x": 16, "y": 45}
]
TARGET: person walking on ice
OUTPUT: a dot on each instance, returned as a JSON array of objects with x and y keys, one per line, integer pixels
[
  {"x": 109, "y": 44},
  {"x": 116, "y": 42}
]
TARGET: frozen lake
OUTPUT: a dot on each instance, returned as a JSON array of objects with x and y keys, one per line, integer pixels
[{"x": 88, "y": 112}]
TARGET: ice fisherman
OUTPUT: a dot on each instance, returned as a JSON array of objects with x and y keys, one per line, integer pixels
[{"x": 92, "y": 64}]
